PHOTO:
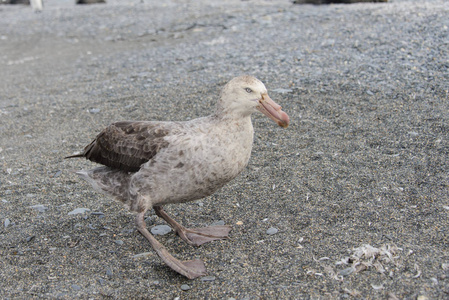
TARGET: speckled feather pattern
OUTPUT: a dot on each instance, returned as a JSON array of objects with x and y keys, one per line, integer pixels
[{"x": 183, "y": 161}]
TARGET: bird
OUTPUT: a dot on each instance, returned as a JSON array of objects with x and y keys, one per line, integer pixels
[{"x": 149, "y": 164}]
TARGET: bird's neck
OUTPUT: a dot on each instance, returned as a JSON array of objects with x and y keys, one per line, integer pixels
[{"x": 232, "y": 112}]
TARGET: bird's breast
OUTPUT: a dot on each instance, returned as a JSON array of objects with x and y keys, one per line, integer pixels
[{"x": 196, "y": 165}]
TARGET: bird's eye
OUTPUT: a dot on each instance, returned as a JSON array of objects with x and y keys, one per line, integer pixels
[{"x": 248, "y": 90}]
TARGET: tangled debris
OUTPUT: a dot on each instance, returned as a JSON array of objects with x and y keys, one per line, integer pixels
[{"x": 366, "y": 257}]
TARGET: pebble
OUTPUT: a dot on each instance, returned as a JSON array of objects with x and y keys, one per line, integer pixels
[
  {"x": 143, "y": 254},
  {"x": 76, "y": 287},
  {"x": 57, "y": 174},
  {"x": 7, "y": 222},
  {"x": 208, "y": 278},
  {"x": 119, "y": 242},
  {"x": 39, "y": 207},
  {"x": 272, "y": 231},
  {"x": 218, "y": 223},
  {"x": 160, "y": 229},
  {"x": 94, "y": 110},
  {"x": 78, "y": 211},
  {"x": 185, "y": 287},
  {"x": 97, "y": 213}
]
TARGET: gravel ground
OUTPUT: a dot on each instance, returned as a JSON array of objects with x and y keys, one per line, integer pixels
[{"x": 350, "y": 201}]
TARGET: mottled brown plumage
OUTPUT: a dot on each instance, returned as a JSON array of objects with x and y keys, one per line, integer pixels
[{"x": 126, "y": 145}]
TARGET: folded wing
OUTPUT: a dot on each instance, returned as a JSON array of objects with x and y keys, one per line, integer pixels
[{"x": 126, "y": 145}]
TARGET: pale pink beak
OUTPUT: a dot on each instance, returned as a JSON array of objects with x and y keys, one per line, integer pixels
[{"x": 273, "y": 111}]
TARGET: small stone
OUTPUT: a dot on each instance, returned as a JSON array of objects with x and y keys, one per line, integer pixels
[
  {"x": 272, "y": 231},
  {"x": 218, "y": 223},
  {"x": 208, "y": 278},
  {"x": 142, "y": 254},
  {"x": 377, "y": 287},
  {"x": 160, "y": 229},
  {"x": 76, "y": 287},
  {"x": 185, "y": 287},
  {"x": 94, "y": 110},
  {"x": 57, "y": 174},
  {"x": 119, "y": 242},
  {"x": 97, "y": 213},
  {"x": 39, "y": 207},
  {"x": 239, "y": 223},
  {"x": 76, "y": 211},
  {"x": 7, "y": 222},
  {"x": 109, "y": 273}
]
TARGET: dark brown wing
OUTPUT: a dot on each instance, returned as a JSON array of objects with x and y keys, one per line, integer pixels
[{"x": 126, "y": 145}]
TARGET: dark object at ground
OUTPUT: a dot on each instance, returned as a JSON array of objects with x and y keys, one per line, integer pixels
[
  {"x": 319, "y": 2},
  {"x": 26, "y": 2},
  {"x": 90, "y": 1}
]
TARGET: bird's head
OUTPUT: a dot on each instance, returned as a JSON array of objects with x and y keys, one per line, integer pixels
[{"x": 245, "y": 94}]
